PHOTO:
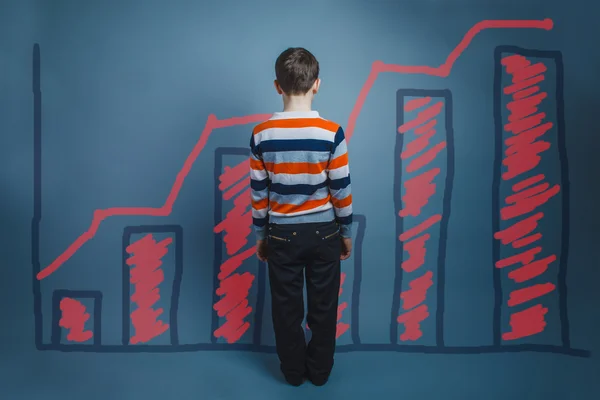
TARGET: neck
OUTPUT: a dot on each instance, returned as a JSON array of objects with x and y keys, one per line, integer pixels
[{"x": 297, "y": 103}]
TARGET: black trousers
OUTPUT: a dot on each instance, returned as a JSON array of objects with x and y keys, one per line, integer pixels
[{"x": 296, "y": 252}]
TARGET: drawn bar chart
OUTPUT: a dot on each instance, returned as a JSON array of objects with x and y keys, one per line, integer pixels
[
  {"x": 530, "y": 199},
  {"x": 239, "y": 277},
  {"x": 424, "y": 171},
  {"x": 152, "y": 269}
]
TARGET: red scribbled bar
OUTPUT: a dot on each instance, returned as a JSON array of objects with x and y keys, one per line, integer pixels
[
  {"x": 234, "y": 287},
  {"x": 146, "y": 275},
  {"x": 342, "y": 327},
  {"x": 526, "y": 141},
  {"x": 73, "y": 318},
  {"x": 423, "y": 140}
]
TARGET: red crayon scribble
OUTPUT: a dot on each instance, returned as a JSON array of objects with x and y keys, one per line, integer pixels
[
  {"x": 529, "y": 293},
  {"x": 423, "y": 226},
  {"x": 414, "y": 104},
  {"x": 341, "y": 327},
  {"x": 531, "y": 270},
  {"x": 418, "y": 191},
  {"x": 519, "y": 229},
  {"x": 73, "y": 318},
  {"x": 238, "y": 224},
  {"x": 527, "y": 322},
  {"x": 425, "y": 158},
  {"x": 416, "y": 253},
  {"x": 422, "y": 117},
  {"x": 145, "y": 276},
  {"x": 417, "y": 145},
  {"x": 426, "y": 127},
  {"x": 213, "y": 123},
  {"x": 234, "y": 306},
  {"x": 234, "y": 288},
  {"x": 418, "y": 291},
  {"x": 523, "y": 154},
  {"x": 412, "y": 322}
]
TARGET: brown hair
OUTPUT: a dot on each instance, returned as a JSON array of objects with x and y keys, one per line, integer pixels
[{"x": 296, "y": 70}]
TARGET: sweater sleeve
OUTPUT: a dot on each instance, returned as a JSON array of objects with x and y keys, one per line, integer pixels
[
  {"x": 339, "y": 184},
  {"x": 259, "y": 187}
]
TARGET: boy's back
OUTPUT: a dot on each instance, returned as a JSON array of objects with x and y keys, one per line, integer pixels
[
  {"x": 302, "y": 215},
  {"x": 304, "y": 159}
]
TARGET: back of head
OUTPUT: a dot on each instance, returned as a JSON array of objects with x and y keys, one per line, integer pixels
[{"x": 296, "y": 70}]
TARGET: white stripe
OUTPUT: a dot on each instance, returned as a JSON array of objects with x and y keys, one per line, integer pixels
[
  {"x": 294, "y": 133},
  {"x": 324, "y": 207},
  {"x": 257, "y": 175},
  {"x": 297, "y": 179},
  {"x": 258, "y": 214},
  {"x": 339, "y": 173},
  {"x": 343, "y": 212}
]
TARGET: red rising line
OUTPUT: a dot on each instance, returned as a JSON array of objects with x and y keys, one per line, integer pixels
[
  {"x": 213, "y": 123},
  {"x": 418, "y": 291},
  {"x": 146, "y": 275},
  {"x": 527, "y": 322},
  {"x": 412, "y": 322},
  {"x": 73, "y": 318},
  {"x": 416, "y": 253}
]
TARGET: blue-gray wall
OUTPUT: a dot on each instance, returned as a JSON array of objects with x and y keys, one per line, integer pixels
[{"x": 127, "y": 88}]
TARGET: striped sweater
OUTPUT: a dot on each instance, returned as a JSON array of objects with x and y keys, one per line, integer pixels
[{"x": 299, "y": 172}]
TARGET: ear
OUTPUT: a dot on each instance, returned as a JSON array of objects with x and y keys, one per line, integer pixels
[
  {"x": 316, "y": 85},
  {"x": 277, "y": 87}
]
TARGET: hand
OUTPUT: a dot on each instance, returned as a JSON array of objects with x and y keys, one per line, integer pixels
[
  {"x": 346, "y": 248},
  {"x": 261, "y": 250}
]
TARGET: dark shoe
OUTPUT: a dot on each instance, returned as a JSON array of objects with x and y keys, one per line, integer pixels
[
  {"x": 294, "y": 380},
  {"x": 318, "y": 380}
]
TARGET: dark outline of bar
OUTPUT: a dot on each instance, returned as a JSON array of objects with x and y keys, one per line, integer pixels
[
  {"x": 56, "y": 334},
  {"x": 128, "y": 231},
  {"x": 555, "y": 56},
  {"x": 401, "y": 94}
]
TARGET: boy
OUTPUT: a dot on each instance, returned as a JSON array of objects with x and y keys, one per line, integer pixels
[{"x": 302, "y": 215}]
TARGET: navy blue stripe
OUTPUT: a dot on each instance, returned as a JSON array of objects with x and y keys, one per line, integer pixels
[
  {"x": 295, "y": 145},
  {"x": 339, "y": 137},
  {"x": 259, "y": 185},
  {"x": 337, "y": 184},
  {"x": 344, "y": 220},
  {"x": 259, "y": 222},
  {"x": 304, "y": 189}
]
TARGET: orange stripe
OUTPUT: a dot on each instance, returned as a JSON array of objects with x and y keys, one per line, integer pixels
[
  {"x": 297, "y": 123},
  {"x": 256, "y": 164},
  {"x": 259, "y": 205},
  {"x": 292, "y": 208},
  {"x": 343, "y": 202},
  {"x": 339, "y": 161},
  {"x": 296, "y": 168}
]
